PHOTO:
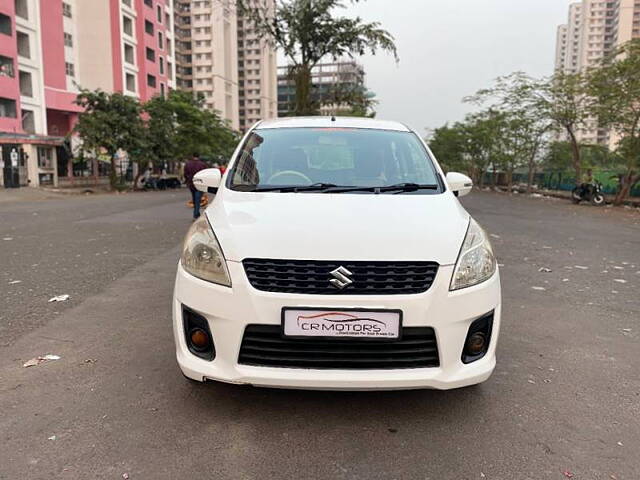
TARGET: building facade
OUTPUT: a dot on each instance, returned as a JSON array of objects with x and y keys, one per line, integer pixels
[
  {"x": 594, "y": 29},
  {"x": 328, "y": 79},
  {"x": 206, "y": 53},
  {"x": 49, "y": 49},
  {"x": 220, "y": 57},
  {"x": 257, "y": 74}
]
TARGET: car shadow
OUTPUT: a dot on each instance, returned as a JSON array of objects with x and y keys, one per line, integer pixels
[{"x": 396, "y": 409}]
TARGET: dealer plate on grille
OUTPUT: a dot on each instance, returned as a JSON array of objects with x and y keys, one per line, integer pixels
[{"x": 341, "y": 323}]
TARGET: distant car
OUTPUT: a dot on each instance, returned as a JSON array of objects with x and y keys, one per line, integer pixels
[{"x": 336, "y": 255}]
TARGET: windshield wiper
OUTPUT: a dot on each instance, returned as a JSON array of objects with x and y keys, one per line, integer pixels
[
  {"x": 399, "y": 187},
  {"x": 316, "y": 187}
]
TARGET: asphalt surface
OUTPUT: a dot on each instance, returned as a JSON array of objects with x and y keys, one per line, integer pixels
[{"x": 564, "y": 399}]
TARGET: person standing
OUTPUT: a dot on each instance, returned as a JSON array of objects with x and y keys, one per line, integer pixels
[{"x": 193, "y": 166}]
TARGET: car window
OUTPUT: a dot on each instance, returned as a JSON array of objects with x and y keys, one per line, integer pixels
[{"x": 297, "y": 157}]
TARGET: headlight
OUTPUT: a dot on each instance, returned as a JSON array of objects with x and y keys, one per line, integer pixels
[
  {"x": 202, "y": 256},
  {"x": 476, "y": 262}
]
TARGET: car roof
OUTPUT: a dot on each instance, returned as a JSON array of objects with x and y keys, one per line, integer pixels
[{"x": 331, "y": 122}]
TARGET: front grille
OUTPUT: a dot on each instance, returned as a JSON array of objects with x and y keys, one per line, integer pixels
[
  {"x": 312, "y": 277},
  {"x": 264, "y": 346}
]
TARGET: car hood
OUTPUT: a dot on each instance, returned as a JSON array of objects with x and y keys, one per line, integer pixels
[{"x": 313, "y": 226}]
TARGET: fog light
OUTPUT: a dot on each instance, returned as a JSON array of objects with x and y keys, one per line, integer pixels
[
  {"x": 197, "y": 335},
  {"x": 478, "y": 338},
  {"x": 199, "y": 339},
  {"x": 476, "y": 343}
]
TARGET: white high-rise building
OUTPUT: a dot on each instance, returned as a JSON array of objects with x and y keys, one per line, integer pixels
[
  {"x": 594, "y": 29},
  {"x": 219, "y": 56}
]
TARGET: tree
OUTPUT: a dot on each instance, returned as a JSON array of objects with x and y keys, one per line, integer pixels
[
  {"x": 351, "y": 101},
  {"x": 110, "y": 122},
  {"x": 564, "y": 100},
  {"x": 447, "y": 143},
  {"x": 180, "y": 125},
  {"x": 483, "y": 135},
  {"x": 528, "y": 107},
  {"x": 472, "y": 145},
  {"x": 306, "y": 31},
  {"x": 615, "y": 88}
]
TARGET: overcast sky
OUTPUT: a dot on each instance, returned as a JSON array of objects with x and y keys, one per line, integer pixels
[{"x": 451, "y": 48}]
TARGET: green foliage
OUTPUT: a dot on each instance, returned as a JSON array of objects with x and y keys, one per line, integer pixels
[
  {"x": 179, "y": 125},
  {"x": 161, "y": 130},
  {"x": 525, "y": 121},
  {"x": 358, "y": 100},
  {"x": 307, "y": 31},
  {"x": 447, "y": 143},
  {"x": 110, "y": 122},
  {"x": 615, "y": 89}
]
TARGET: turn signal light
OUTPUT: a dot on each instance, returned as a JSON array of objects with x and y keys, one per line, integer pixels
[
  {"x": 199, "y": 339},
  {"x": 197, "y": 334},
  {"x": 476, "y": 343}
]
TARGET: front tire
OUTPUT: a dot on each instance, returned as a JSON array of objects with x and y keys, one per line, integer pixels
[{"x": 597, "y": 199}]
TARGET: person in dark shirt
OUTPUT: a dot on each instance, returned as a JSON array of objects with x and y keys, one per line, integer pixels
[{"x": 192, "y": 167}]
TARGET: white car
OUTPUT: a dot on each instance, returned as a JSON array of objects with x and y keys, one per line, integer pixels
[{"x": 336, "y": 255}]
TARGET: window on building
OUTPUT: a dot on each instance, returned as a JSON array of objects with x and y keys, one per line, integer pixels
[
  {"x": 170, "y": 70},
  {"x": 148, "y": 3},
  {"x": 130, "y": 82},
  {"x": 151, "y": 54},
  {"x": 160, "y": 41},
  {"x": 161, "y": 65},
  {"x": 159, "y": 13},
  {"x": 129, "y": 54},
  {"x": 127, "y": 25},
  {"x": 28, "y": 121},
  {"x": 68, "y": 39},
  {"x": 151, "y": 81},
  {"x": 22, "y": 9},
  {"x": 162, "y": 89},
  {"x": 26, "y": 87},
  {"x": 7, "y": 108},
  {"x": 5, "y": 24},
  {"x": 69, "y": 69},
  {"x": 24, "y": 48},
  {"x": 148, "y": 27},
  {"x": 127, "y": 3},
  {"x": 6, "y": 67},
  {"x": 66, "y": 10},
  {"x": 167, "y": 20}
]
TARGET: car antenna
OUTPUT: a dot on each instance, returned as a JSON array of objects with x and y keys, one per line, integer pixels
[{"x": 333, "y": 118}]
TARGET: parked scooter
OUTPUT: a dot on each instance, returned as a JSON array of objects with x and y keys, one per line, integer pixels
[{"x": 591, "y": 192}]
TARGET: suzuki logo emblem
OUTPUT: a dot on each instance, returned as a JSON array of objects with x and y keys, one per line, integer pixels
[{"x": 341, "y": 278}]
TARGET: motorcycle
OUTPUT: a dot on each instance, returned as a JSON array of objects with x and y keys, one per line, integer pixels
[{"x": 591, "y": 192}]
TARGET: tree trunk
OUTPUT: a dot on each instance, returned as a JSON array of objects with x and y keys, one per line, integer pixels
[
  {"x": 532, "y": 169},
  {"x": 629, "y": 181},
  {"x": 575, "y": 150},
  {"x": 510, "y": 180},
  {"x": 304, "y": 101},
  {"x": 481, "y": 178},
  {"x": 113, "y": 178}
]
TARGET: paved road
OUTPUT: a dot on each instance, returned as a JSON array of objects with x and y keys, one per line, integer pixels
[{"x": 565, "y": 396}]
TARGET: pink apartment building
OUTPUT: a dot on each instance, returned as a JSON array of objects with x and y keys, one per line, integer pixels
[{"x": 51, "y": 48}]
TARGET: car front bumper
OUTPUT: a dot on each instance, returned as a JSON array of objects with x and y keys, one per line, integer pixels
[{"x": 229, "y": 310}]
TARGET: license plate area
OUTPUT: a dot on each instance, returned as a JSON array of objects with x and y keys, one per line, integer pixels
[{"x": 341, "y": 323}]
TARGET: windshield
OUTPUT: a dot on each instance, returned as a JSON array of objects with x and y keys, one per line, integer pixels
[{"x": 326, "y": 158}]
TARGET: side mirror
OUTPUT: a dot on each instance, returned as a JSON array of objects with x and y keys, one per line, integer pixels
[
  {"x": 459, "y": 183},
  {"x": 207, "y": 180}
]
